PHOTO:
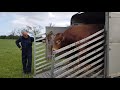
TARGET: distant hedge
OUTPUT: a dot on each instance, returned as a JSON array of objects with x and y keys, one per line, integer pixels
[{"x": 9, "y": 37}]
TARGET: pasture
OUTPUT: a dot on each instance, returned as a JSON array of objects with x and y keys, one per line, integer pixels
[{"x": 10, "y": 60}]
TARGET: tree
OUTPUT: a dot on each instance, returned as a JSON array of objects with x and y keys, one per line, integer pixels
[
  {"x": 34, "y": 30},
  {"x": 51, "y": 25},
  {"x": 12, "y": 35},
  {"x": 31, "y": 29},
  {"x": 13, "y": 32},
  {"x": 18, "y": 32}
]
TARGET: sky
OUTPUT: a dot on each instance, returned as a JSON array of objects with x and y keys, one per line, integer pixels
[{"x": 14, "y": 20}]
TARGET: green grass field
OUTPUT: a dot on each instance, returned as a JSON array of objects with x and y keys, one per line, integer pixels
[{"x": 10, "y": 60}]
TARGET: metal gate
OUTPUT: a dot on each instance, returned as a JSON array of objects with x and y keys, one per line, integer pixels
[
  {"x": 89, "y": 65},
  {"x": 41, "y": 64},
  {"x": 70, "y": 62}
]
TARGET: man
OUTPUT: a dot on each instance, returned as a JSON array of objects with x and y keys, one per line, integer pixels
[{"x": 26, "y": 47}]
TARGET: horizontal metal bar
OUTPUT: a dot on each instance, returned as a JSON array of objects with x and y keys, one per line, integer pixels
[
  {"x": 40, "y": 59},
  {"x": 40, "y": 51},
  {"x": 78, "y": 42},
  {"x": 46, "y": 74},
  {"x": 39, "y": 39},
  {"x": 87, "y": 49},
  {"x": 42, "y": 66},
  {"x": 95, "y": 75},
  {"x": 47, "y": 67},
  {"x": 76, "y": 67},
  {"x": 42, "y": 46},
  {"x": 38, "y": 43},
  {"x": 76, "y": 61},
  {"x": 77, "y": 48},
  {"x": 40, "y": 63},
  {"x": 76, "y": 55},
  {"x": 40, "y": 70},
  {"x": 38, "y": 35},
  {"x": 39, "y": 55},
  {"x": 83, "y": 69},
  {"x": 90, "y": 71}
]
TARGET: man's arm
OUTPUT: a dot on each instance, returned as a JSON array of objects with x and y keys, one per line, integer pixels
[
  {"x": 17, "y": 43},
  {"x": 32, "y": 39}
]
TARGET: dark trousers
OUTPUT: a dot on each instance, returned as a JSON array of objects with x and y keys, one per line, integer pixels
[{"x": 27, "y": 60}]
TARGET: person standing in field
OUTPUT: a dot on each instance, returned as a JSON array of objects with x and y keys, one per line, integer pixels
[{"x": 25, "y": 44}]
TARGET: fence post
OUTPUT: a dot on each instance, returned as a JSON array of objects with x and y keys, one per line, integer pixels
[
  {"x": 52, "y": 64},
  {"x": 46, "y": 40},
  {"x": 34, "y": 55},
  {"x": 106, "y": 55}
]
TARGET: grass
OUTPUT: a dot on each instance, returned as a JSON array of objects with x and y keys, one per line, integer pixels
[{"x": 10, "y": 60}]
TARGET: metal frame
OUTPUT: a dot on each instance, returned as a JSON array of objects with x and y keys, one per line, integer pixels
[
  {"x": 106, "y": 55},
  {"x": 34, "y": 55},
  {"x": 52, "y": 65},
  {"x": 41, "y": 64}
]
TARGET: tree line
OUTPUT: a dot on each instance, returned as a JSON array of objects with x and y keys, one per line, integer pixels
[
  {"x": 9, "y": 37},
  {"x": 14, "y": 34},
  {"x": 33, "y": 30}
]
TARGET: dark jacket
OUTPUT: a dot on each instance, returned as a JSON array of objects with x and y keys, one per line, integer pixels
[{"x": 25, "y": 42}]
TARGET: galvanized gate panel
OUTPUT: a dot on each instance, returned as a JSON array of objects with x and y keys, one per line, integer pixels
[
  {"x": 41, "y": 64},
  {"x": 91, "y": 67}
]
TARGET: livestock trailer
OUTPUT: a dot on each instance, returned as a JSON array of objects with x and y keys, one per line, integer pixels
[{"x": 101, "y": 60}]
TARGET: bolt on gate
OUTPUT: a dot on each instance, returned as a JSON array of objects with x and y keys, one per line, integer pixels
[{"x": 78, "y": 60}]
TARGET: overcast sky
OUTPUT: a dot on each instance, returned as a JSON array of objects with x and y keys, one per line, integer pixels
[{"x": 11, "y": 20}]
